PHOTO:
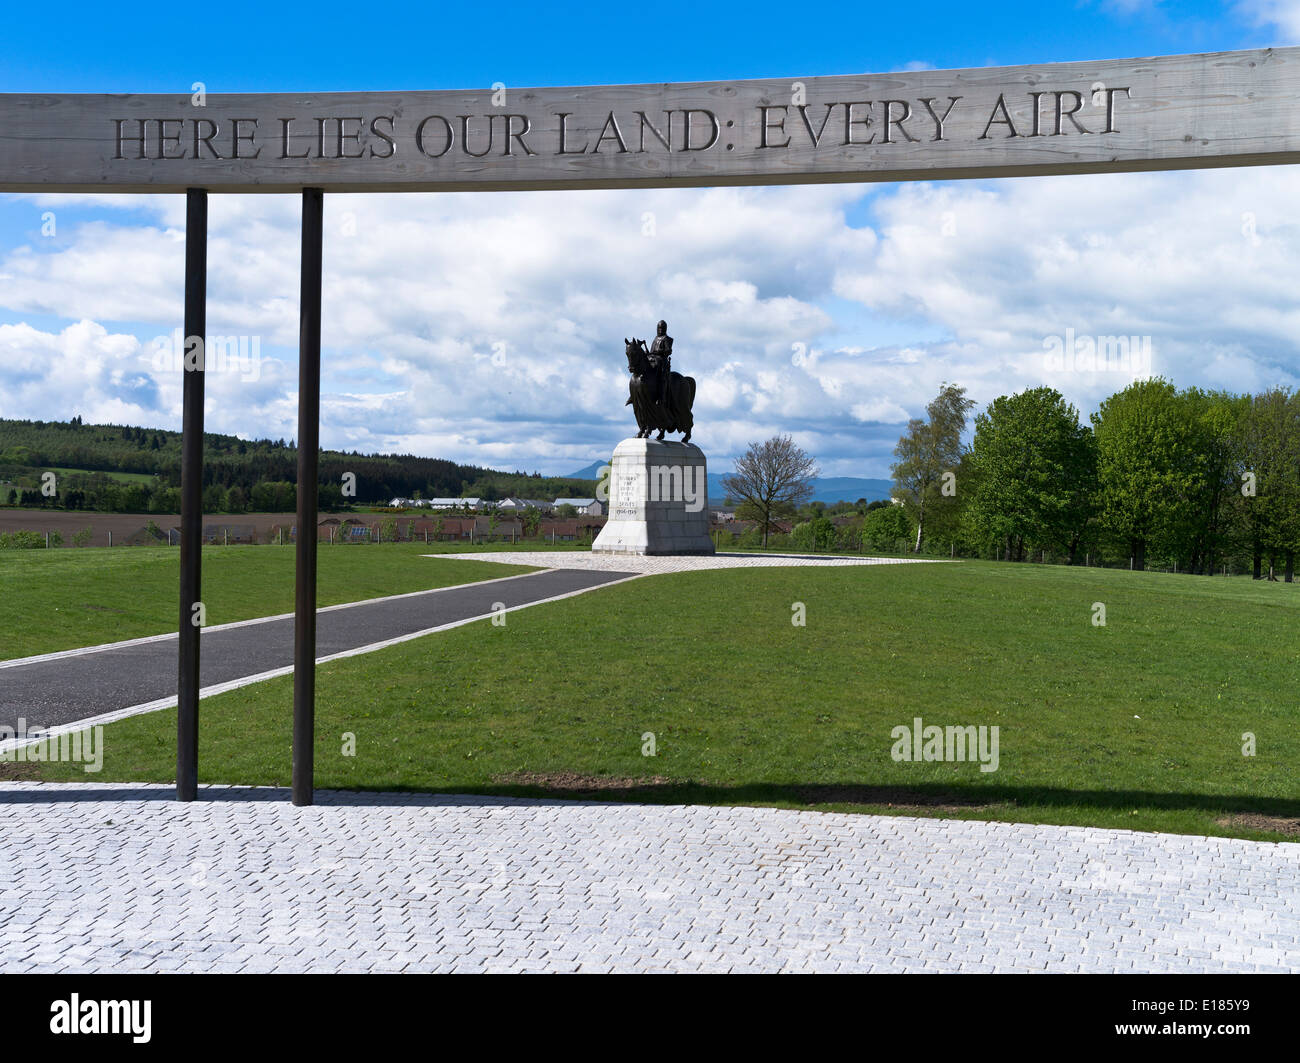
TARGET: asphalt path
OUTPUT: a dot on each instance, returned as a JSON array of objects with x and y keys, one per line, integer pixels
[{"x": 66, "y": 688}]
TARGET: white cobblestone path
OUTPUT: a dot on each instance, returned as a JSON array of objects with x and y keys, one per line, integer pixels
[{"x": 120, "y": 877}]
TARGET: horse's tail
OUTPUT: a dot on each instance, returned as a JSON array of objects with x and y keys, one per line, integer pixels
[{"x": 683, "y": 401}]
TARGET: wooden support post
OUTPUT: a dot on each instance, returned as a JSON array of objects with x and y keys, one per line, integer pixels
[
  {"x": 187, "y": 683},
  {"x": 304, "y": 625}
]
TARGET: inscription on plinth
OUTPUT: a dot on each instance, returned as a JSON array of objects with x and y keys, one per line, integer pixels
[{"x": 659, "y": 498}]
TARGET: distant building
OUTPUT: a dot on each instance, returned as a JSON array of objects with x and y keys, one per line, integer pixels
[
  {"x": 152, "y": 535},
  {"x": 226, "y": 533},
  {"x": 518, "y": 505},
  {"x": 588, "y": 507},
  {"x": 452, "y": 503},
  {"x": 562, "y": 530}
]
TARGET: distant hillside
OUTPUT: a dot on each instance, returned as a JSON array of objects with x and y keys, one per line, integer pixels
[
  {"x": 125, "y": 468},
  {"x": 591, "y": 472},
  {"x": 828, "y": 489}
]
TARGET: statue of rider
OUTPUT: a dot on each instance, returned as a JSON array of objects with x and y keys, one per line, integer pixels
[{"x": 661, "y": 360}]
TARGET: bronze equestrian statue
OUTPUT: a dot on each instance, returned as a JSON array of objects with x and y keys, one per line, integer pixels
[{"x": 660, "y": 398}]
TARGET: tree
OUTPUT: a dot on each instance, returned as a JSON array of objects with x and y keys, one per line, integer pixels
[
  {"x": 1218, "y": 441},
  {"x": 214, "y": 499},
  {"x": 1270, "y": 507},
  {"x": 816, "y": 534},
  {"x": 1151, "y": 468},
  {"x": 531, "y": 519},
  {"x": 1033, "y": 471},
  {"x": 886, "y": 528},
  {"x": 927, "y": 450},
  {"x": 771, "y": 480}
]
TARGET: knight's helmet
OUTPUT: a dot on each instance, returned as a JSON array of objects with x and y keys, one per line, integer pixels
[{"x": 662, "y": 328}]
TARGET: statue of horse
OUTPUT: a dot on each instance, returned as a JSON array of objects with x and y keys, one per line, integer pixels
[{"x": 651, "y": 414}]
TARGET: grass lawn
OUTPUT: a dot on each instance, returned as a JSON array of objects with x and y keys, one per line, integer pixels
[
  {"x": 1137, "y": 724},
  {"x": 60, "y": 599}
]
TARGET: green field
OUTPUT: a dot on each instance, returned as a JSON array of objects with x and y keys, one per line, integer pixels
[
  {"x": 114, "y": 475},
  {"x": 61, "y": 599},
  {"x": 1137, "y": 724}
]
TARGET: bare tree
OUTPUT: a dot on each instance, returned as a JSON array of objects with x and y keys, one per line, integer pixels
[
  {"x": 771, "y": 480},
  {"x": 929, "y": 449}
]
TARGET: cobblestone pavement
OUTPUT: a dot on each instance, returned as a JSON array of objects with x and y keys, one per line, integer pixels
[
  {"x": 654, "y": 565},
  {"x": 108, "y": 877}
]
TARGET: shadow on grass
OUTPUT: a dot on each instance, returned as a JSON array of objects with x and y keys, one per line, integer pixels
[
  {"x": 827, "y": 557},
  {"x": 568, "y": 788}
]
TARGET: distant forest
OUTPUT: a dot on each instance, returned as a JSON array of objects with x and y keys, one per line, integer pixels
[{"x": 127, "y": 469}]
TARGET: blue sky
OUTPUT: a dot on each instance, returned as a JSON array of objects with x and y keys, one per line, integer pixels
[
  {"x": 259, "y": 47},
  {"x": 438, "y": 339}
]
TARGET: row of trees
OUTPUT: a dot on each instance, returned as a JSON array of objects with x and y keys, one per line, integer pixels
[
  {"x": 882, "y": 527},
  {"x": 102, "y": 494},
  {"x": 1186, "y": 479}
]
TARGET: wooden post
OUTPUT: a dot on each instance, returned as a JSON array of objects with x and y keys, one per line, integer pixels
[
  {"x": 304, "y": 623},
  {"x": 187, "y": 683}
]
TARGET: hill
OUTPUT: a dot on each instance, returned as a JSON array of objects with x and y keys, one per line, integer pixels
[{"x": 125, "y": 468}]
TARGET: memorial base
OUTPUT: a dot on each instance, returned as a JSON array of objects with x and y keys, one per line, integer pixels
[{"x": 658, "y": 500}]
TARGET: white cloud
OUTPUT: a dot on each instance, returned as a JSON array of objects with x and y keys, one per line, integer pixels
[
  {"x": 489, "y": 328},
  {"x": 1199, "y": 262},
  {"x": 1283, "y": 14}
]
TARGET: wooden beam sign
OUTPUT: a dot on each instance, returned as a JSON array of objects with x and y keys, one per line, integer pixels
[{"x": 1176, "y": 112}]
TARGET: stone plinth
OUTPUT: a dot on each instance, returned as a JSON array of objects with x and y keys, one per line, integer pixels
[{"x": 658, "y": 500}]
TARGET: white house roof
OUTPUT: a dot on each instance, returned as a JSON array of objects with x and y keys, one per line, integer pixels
[{"x": 576, "y": 502}]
